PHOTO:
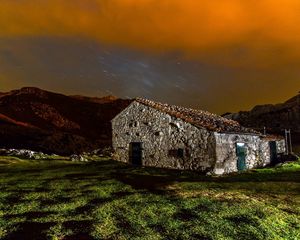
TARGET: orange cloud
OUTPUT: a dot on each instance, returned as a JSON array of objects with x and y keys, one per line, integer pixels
[{"x": 238, "y": 30}]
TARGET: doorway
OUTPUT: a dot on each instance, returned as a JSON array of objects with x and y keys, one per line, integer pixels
[
  {"x": 273, "y": 152},
  {"x": 135, "y": 153},
  {"x": 241, "y": 152}
]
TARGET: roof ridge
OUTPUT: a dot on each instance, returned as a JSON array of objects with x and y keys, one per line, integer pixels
[{"x": 198, "y": 117}]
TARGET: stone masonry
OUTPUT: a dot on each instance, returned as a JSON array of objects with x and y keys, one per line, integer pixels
[{"x": 162, "y": 134}]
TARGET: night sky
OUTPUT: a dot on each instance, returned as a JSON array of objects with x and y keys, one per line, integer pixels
[{"x": 221, "y": 56}]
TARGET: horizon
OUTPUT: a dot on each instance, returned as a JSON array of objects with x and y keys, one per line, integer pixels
[{"x": 103, "y": 96}]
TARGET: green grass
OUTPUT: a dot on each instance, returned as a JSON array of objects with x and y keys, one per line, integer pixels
[{"x": 104, "y": 199}]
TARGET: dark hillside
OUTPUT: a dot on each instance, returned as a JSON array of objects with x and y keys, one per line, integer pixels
[
  {"x": 41, "y": 120},
  {"x": 275, "y": 118}
]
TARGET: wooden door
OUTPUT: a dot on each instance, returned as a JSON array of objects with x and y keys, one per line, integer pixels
[
  {"x": 273, "y": 152},
  {"x": 136, "y": 153}
]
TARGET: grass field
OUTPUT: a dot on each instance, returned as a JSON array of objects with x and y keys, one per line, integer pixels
[{"x": 104, "y": 199}]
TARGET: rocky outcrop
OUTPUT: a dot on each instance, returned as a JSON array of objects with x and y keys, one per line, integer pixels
[
  {"x": 24, "y": 154},
  {"x": 50, "y": 114},
  {"x": 78, "y": 158}
]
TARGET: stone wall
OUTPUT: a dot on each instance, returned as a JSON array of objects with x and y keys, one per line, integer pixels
[
  {"x": 281, "y": 146},
  {"x": 258, "y": 151},
  {"x": 265, "y": 150},
  {"x": 265, "y": 153},
  {"x": 160, "y": 134},
  {"x": 226, "y": 152}
]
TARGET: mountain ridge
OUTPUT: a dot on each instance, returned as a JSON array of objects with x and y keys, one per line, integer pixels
[
  {"x": 41, "y": 120},
  {"x": 51, "y": 122},
  {"x": 273, "y": 117}
]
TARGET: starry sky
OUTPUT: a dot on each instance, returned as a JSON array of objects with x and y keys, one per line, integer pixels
[{"x": 221, "y": 56}]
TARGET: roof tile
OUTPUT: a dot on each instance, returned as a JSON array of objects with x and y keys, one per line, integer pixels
[{"x": 199, "y": 118}]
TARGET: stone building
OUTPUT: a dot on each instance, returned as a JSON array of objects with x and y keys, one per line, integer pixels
[{"x": 160, "y": 135}]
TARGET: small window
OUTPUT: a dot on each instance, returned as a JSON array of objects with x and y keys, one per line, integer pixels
[
  {"x": 133, "y": 124},
  {"x": 178, "y": 153}
]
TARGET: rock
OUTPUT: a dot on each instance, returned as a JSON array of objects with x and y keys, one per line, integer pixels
[
  {"x": 78, "y": 158},
  {"x": 104, "y": 152},
  {"x": 96, "y": 151},
  {"x": 22, "y": 153},
  {"x": 3, "y": 152},
  {"x": 74, "y": 158},
  {"x": 278, "y": 165}
]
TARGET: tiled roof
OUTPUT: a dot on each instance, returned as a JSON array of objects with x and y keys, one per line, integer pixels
[
  {"x": 273, "y": 137},
  {"x": 199, "y": 118}
]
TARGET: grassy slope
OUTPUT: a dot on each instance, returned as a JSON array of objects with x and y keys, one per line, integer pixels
[{"x": 109, "y": 200}]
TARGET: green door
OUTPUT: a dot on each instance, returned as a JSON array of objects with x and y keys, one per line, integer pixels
[{"x": 241, "y": 153}]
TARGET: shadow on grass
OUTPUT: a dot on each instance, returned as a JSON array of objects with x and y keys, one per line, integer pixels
[
  {"x": 153, "y": 184},
  {"x": 79, "y": 228},
  {"x": 143, "y": 180},
  {"x": 154, "y": 179},
  {"x": 38, "y": 231},
  {"x": 30, "y": 215},
  {"x": 30, "y": 230}
]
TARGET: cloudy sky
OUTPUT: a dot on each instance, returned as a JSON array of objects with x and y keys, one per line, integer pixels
[{"x": 224, "y": 55}]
